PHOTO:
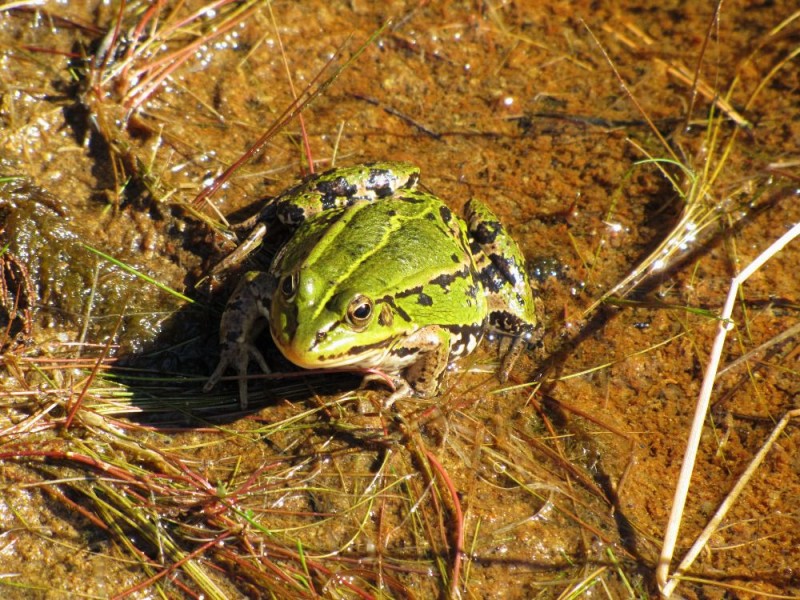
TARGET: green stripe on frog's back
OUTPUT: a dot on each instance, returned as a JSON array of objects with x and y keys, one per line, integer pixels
[{"x": 414, "y": 268}]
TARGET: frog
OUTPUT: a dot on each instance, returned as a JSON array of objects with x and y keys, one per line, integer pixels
[{"x": 380, "y": 275}]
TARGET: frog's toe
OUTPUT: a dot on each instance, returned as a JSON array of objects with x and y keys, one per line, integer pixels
[
  {"x": 217, "y": 374},
  {"x": 245, "y": 249},
  {"x": 402, "y": 390},
  {"x": 519, "y": 342},
  {"x": 256, "y": 353},
  {"x": 238, "y": 357},
  {"x": 243, "y": 391}
]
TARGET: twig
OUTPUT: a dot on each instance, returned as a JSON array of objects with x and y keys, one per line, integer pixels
[
  {"x": 666, "y": 585},
  {"x": 726, "y": 505}
]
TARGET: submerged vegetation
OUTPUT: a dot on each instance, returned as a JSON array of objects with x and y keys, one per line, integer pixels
[{"x": 642, "y": 160}]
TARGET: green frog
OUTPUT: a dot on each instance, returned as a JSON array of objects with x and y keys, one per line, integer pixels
[{"x": 378, "y": 275}]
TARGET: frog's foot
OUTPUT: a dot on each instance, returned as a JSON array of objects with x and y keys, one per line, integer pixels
[
  {"x": 402, "y": 389},
  {"x": 380, "y": 378},
  {"x": 237, "y": 354},
  {"x": 245, "y": 317},
  {"x": 265, "y": 215},
  {"x": 510, "y": 352}
]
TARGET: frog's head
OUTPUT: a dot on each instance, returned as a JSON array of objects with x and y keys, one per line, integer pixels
[{"x": 318, "y": 325}]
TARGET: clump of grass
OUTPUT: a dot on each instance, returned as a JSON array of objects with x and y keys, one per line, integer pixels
[{"x": 327, "y": 500}]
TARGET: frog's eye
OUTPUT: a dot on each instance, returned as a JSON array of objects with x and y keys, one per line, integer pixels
[
  {"x": 359, "y": 312},
  {"x": 288, "y": 286}
]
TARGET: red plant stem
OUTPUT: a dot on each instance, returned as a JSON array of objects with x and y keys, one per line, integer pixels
[
  {"x": 458, "y": 550},
  {"x": 137, "y": 32},
  {"x": 114, "y": 37},
  {"x": 173, "y": 566},
  {"x": 145, "y": 88},
  {"x": 287, "y": 115}
]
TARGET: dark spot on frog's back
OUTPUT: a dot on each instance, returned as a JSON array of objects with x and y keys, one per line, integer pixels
[
  {"x": 445, "y": 213},
  {"x": 492, "y": 279},
  {"x": 422, "y": 298},
  {"x": 446, "y": 279},
  {"x": 455, "y": 258},
  {"x": 414, "y": 197},
  {"x": 513, "y": 271},
  {"x": 329, "y": 201},
  {"x": 409, "y": 292},
  {"x": 290, "y": 213},
  {"x": 487, "y": 232},
  {"x": 380, "y": 182},
  {"x": 338, "y": 187}
]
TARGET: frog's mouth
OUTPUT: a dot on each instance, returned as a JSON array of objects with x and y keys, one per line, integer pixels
[{"x": 365, "y": 356}]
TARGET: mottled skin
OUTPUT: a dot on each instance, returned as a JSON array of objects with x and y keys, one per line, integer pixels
[{"x": 379, "y": 275}]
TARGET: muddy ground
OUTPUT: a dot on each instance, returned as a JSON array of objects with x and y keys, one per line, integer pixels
[{"x": 592, "y": 129}]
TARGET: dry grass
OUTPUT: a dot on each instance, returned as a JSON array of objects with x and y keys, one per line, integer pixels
[{"x": 331, "y": 496}]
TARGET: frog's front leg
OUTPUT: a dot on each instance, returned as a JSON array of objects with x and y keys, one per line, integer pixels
[
  {"x": 245, "y": 317},
  {"x": 242, "y": 251},
  {"x": 501, "y": 268},
  {"x": 424, "y": 355}
]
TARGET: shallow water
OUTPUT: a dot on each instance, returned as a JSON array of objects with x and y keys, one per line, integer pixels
[{"x": 566, "y": 477}]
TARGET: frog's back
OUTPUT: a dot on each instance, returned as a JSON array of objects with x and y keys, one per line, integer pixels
[{"x": 410, "y": 249}]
